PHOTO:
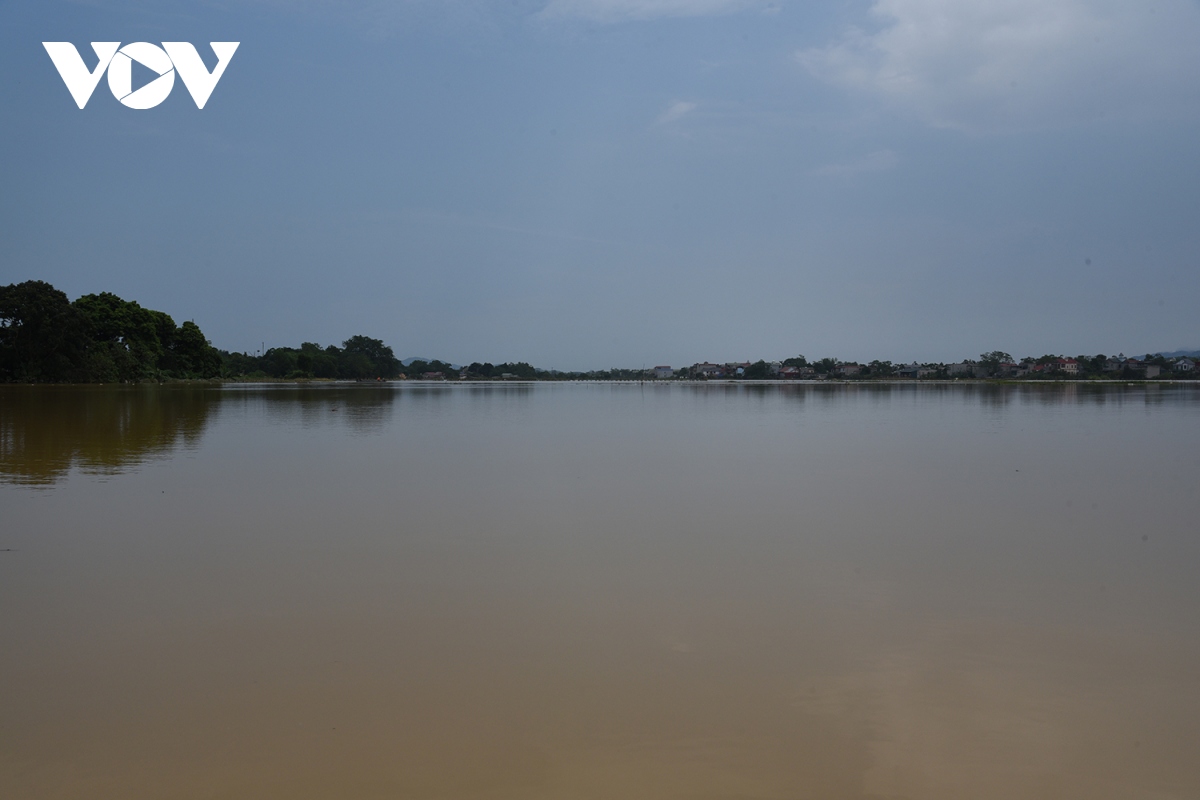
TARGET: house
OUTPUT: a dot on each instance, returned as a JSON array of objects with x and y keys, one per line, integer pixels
[
  {"x": 848, "y": 370},
  {"x": 797, "y": 373},
  {"x": 707, "y": 370},
  {"x": 908, "y": 370},
  {"x": 1184, "y": 365},
  {"x": 1114, "y": 363},
  {"x": 1068, "y": 366},
  {"x": 662, "y": 373},
  {"x": 1153, "y": 370},
  {"x": 967, "y": 369},
  {"x": 927, "y": 372}
]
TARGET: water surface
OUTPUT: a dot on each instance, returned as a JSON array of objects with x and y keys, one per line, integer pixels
[{"x": 599, "y": 591}]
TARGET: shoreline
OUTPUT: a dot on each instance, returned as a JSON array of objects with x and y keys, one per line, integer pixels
[{"x": 215, "y": 383}]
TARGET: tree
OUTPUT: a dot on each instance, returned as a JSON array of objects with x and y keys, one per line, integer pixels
[
  {"x": 364, "y": 357},
  {"x": 42, "y": 336},
  {"x": 483, "y": 370},
  {"x": 825, "y": 365},
  {"x": 520, "y": 369},
  {"x": 194, "y": 355},
  {"x": 125, "y": 344},
  {"x": 314, "y": 362},
  {"x": 991, "y": 361},
  {"x": 280, "y": 362},
  {"x": 757, "y": 371},
  {"x": 1158, "y": 359},
  {"x": 357, "y": 366},
  {"x": 1092, "y": 365}
]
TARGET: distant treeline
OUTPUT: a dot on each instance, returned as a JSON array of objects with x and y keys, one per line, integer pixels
[
  {"x": 101, "y": 338},
  {"x": 359, "y": 358},
  {"x": 363, "y": 358}
]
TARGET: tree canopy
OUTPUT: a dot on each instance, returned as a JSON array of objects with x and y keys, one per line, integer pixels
[
  {"x": 99, "y": 338},
  {"x": 359, "y": 358}
]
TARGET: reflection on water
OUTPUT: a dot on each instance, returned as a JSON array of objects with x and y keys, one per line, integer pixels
[
  {"x": 47, "y": 430},
  {"x": 553, "y": 591}
]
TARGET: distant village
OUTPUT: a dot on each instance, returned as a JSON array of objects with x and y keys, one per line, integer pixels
[{"x": 995, "y": 366}]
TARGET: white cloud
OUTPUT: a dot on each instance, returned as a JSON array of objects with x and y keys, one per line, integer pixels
[
  {"x": 879, "y": 161},
  {"x": 621, "y": 10},
  {"x": 1012, "y": 64},
  {"x": 675, "y": 111}
]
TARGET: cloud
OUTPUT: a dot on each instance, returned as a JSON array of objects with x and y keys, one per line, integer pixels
[
  {"x": 622, "y": 10},
  {"x": 1021, "y": 64},
  {"x": 879, "y": 161},
  {"x": 675, "y": 111}
]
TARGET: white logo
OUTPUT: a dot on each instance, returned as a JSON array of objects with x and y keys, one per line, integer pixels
[{"x": 172, "y": 57}]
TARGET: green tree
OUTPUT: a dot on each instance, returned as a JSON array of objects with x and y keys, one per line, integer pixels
[
  {"x": 825, "y": 366},
  {"x": 991, "y": 361},
  {"x": 356, "y": 366},
  {"x": 483, "y": 370},
  {"x": 192, "y": 354},
  {"x": 43, "y": 338},
  {"x": 757, "y": 371},
  {"x": 281, "y": 362},
  {"x": 523, "y": 370},
  {"x": 364, "y": 357},
  {"x": 125, "y": 343}
]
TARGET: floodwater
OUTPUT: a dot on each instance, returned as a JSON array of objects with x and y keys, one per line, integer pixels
[{"x": 600, "y": 591}]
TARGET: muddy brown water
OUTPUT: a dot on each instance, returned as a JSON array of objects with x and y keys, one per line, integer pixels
[{"x": 600, "y": 591}]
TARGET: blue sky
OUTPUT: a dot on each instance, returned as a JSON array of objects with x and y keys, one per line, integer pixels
[{"x": 591, "y": 183}]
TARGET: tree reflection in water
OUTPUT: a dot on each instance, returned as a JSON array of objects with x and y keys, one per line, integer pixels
[{"x": 46, "y": 431}]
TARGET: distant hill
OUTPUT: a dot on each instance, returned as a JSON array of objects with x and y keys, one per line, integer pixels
[{"x": 1182, "y": 353}]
